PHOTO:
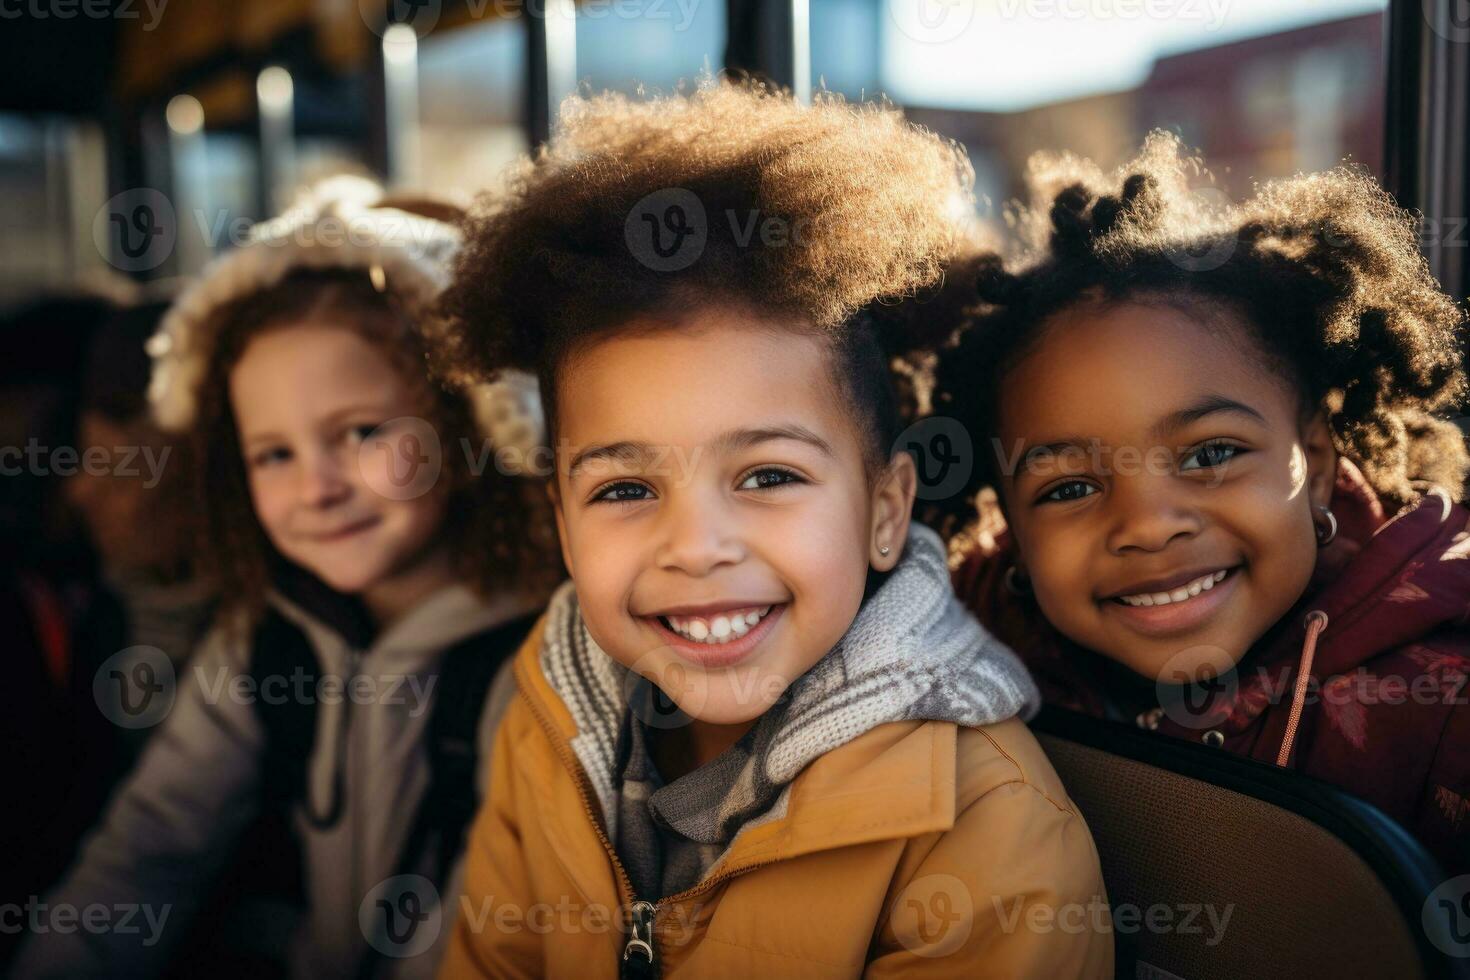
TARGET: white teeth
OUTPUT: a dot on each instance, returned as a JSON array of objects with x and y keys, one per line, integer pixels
[
  {"x": 1187, "y": 591},
  {"x": 721, "y": 629}
]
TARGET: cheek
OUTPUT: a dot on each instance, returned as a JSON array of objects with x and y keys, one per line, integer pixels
[
  {"x": 271, "y": 496},
  {"x": 1055, "y": 559},
  {"x": 416, "y": 520},
  {"x": 402, "y": 461}
]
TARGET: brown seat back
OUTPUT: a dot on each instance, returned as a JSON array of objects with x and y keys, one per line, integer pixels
[{"x": 1219, "y": 868}]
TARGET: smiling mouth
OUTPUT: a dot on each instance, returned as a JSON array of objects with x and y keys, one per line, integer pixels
[
  {"x": 345, "y": 532},
  {"x": 719, "y": 629},
  {"x": 718, "y": 638},
  {"x": 1171, "y": 607},
  {"x": 1180, "y": 593}
]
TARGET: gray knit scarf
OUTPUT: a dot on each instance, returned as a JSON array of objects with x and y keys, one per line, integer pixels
[{"x": 913, "y": 652}]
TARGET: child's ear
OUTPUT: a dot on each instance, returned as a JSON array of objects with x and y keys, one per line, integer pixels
[
  {"x": 1321, "y": 459},
  {"x": 893, "y": 503},
  {"x": 553, "y": 493}
]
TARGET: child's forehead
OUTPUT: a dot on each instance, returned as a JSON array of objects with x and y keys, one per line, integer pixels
[
  {"x": 312, "y": 369},
  {"x": 687, "y": 382},
  {"x": 1131, "y": 366}
]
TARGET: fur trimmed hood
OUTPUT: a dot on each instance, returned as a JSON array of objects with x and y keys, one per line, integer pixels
[{"x": 339, "y": 223}]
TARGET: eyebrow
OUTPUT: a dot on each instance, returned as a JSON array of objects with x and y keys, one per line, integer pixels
[
  {"x": 631, "y": 452},
  {"x": 1051, "y": 449},
  {"x": 1205, "y": 407},
  {"x": 361, "y": 408}
]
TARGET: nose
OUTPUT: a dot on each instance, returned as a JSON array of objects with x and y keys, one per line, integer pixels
[
  {"x": 323, "y": 482},
  {"x": 697, "y": 535},
  {"x": 1147, "y": 516}
]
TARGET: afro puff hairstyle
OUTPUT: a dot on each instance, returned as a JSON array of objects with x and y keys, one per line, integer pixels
[{"x": 1324, "y": 269}]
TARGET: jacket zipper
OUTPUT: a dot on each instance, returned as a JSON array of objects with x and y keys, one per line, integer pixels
[{"x": 640, "y": 956}]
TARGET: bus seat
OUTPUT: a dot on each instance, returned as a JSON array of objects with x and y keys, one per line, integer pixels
[{"x": 1315, "y": 883}]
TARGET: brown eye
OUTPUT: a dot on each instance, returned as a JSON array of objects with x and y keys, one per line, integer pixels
[
  {"x": 1211, "y": 454},
  {"x": 1071, "y": 490},
  {"x": 768, "y": 478},
  {"x": 621, "y": 493}
]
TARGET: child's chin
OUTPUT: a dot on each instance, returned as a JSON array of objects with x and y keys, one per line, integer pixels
[
  {"x": 728, "y": 714},
  {"x": 347, "y": 581}
]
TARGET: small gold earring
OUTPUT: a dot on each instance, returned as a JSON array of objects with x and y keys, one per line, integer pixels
[{"x": 883, "y": 551}]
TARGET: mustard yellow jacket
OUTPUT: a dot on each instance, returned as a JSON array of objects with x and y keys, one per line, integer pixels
[{"x": 916, "y": 850}]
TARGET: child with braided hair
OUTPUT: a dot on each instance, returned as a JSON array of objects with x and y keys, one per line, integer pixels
[{"x": 1218, "y": 445}]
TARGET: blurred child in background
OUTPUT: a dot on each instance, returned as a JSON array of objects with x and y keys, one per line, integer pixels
[{"x": 328, "y": 729}]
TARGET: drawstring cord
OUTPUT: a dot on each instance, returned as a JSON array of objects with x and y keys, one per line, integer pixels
[{"x": 1316, "y": 623}]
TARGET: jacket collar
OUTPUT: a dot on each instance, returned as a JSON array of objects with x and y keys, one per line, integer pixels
[
  {"x": 444, "y": 618},
  {"x": 1405, "y": 575},
  {"x": 897, "y": 780}
]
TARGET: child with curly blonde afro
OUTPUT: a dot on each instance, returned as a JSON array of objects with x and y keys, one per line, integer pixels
[{"x": 756, "y": 734}]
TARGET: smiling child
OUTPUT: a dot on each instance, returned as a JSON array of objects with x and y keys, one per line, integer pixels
[
  {"x": 756, "y": 734},
  {"x": 1220, "y": 446}
]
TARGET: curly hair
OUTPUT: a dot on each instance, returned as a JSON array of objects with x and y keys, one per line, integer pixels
[
  {"x": 830, "y": 218},
  {"x": 500, "y": 528},
  {"x": 1323, "y": 269}
]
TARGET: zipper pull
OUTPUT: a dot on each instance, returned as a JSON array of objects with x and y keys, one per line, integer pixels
[{"x": 638, "y": 956}]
